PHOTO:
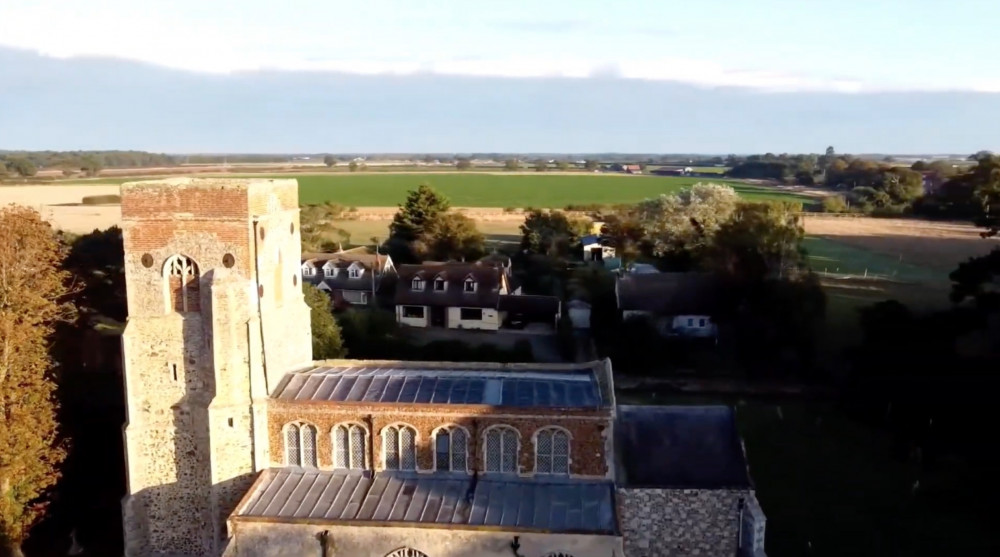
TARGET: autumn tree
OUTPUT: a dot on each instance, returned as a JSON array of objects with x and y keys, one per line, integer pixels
[
  {"x": 326, "y": 337},
  {"x": 33, "y": 292},
  {"x": 686, "y": 221},
  {"x": 452, "y": 236},
  {"x": 760, "y": 240}
]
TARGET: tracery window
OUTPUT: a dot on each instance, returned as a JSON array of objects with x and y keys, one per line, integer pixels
[
  {"x": 451, "y": 449},
  {"x": 399, "y": 447},
  {"x": 300, "y": 445},
  {"x": 350, "y": 443},
  {"x": 183, "y": 287},
  {"x": 501, "y": 449},
  {"x": 552, "y": 451}
]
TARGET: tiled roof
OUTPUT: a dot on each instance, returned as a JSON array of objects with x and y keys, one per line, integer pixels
[
  {"x": 667, "y": 293},
  {"x": 575, "y": 388},
  {"x": 488, "y": 281},
  {"x": 444, "y": 499},
  {"x": 696, "y": 447}
]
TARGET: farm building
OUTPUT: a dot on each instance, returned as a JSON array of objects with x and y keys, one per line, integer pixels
[{"x": 238, "y": 444}]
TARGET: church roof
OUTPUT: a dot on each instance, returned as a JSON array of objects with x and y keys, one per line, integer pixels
[
  {"x": 440, "y": 500},
  {"x": 689, "y": 447},
  {"x": 404, "y": 382}
]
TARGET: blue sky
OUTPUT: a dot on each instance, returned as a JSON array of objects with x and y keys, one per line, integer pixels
[{"x": 772, "y": 45}]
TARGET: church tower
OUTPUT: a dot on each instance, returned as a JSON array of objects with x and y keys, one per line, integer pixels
[{"x": 215, "y": 318}]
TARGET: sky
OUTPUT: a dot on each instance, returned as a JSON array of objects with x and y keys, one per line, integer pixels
[
  {"x": 783, "y": 59},
  {"x": 842, "y": 45}
]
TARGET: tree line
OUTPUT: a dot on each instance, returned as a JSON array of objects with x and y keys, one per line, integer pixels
[{"x": 28, "y": 163}]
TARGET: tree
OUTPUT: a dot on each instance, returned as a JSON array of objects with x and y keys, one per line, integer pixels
[
  {"x": 919, "y": 166},
  {"x": 625, "y": 232},
  {"x": 327, "y": 341},
  {"x": 91, "y": 166},
  {"x": 22, "y": 166},
  {"x": 551, "y": 232},
  {"x": 980, "y": 155},
  {"x": 562, "y": 166},
  {"x": 33, "y": 293},
  {"x": 511, "y": 164},
  {"x": 451, "y": 236},
  {"x": 353, "y": 166},
  {"x": 686, "y": 222},
  {"x": 463, "y": 164},
  {"x": 319, "y": 227},
  {"x": 98, "y": 260},
  {"x": 423, "y": 206},
  {"x": 760, "y": 240},
  {"x": 541, "y": 166},
  {"x": 330, "y": 160},
  {"x": 903, "y": 185},
  {"x": 591, "y": 164}
]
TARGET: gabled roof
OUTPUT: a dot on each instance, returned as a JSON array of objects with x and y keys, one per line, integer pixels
[
  {"x": 342, "y": 260},
  {"x": 488, "y": 283},
  {"x": 444, "y": 500},
  {"x": 668, "y": 293},
  {"x": 688, "y": 447}
]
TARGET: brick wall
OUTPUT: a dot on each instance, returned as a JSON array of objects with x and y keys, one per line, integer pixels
[{"x": 588, "y": 447}]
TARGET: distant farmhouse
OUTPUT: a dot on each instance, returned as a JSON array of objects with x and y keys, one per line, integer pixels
[
  {"x": 349, "y": 277},
  {"x": 238, "y": 444}
]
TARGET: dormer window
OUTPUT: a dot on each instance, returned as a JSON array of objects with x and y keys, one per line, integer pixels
[
  {"x": 470, "y": 284},
  {"x": 329, "y": 272},
  {"x": 308, "y": 271},
  {"x": 440, "y": 285},
  {"x": 355, "y": 272},
  {"x": 417, "y": 285}
]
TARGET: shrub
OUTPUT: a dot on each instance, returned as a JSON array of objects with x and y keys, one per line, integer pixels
[{"x": 835, "y": 204}]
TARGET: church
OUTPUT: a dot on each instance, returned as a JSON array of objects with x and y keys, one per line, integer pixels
[{"x": 238, "y": 444}]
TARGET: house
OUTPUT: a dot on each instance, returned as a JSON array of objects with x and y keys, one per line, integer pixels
[
  {"x": 350, "y": 277},
  {"x": 632, "y": 168},
  {"x": 594, "y": 250},
  {"x": 239, "y": 444},
  {"x": 477, "y": 295},
  {"x": 678, "y": 304}
]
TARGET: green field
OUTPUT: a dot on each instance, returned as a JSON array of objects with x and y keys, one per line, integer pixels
[
  {"x": 498, "y": 190},
  {"x": 830, "y": 256}
]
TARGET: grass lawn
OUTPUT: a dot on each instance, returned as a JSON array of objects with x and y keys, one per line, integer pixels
[
  {"x": 496, "y": 190},
  {"x": 827, "y": 255}
]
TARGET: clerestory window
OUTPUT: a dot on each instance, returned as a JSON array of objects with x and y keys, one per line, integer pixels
[{"x": 300, "y": 445}]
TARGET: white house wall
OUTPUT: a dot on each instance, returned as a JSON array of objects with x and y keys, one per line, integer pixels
[
  {"x": 413, "y": 321},
  {"x": 490, "y": 321}
]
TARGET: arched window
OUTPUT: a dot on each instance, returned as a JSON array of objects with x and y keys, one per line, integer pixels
[
  {"x": 552, "y": 451},
  {"x": 451, "y": 449},
  {"x": 501, "y": 447},
  {"x": 300, "y": 445},
  {"x": 350, "y": 443},
  {"x": 406, "y": 552},
  {"x": 399, "y": 447},
  {"x": 183, "y": 294}
]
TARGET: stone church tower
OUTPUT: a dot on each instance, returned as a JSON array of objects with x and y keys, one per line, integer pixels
[{"x": 215, "y": 318}]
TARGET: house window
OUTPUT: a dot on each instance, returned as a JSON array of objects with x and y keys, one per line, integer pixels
[
  {"x": 183, "y": 284},
  {"x": 471, "y": 314},
  {"x": 300, "y": 445},
  {"x": 470, "y": 285},
  {"x": 417, "y": 285},
  {"x": 440, "y": 285},
  {"x": 308, "y": 271},
  {"x": 329, "y": 272},
  {"x": 413, "y": 312},
  {"x": 354, "y": 296},
  {"x": 399, "y": 446},
  {"x": 501, "y": 449},
  {"x": 701, "y": 322},
  {"x": 450, "y": 449},
  {"x": 349, "y": 444},
  {"x": 552, "y": 452},
  {"x": 690, "y": 322},
  {"x": 354, "y": 273}
]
